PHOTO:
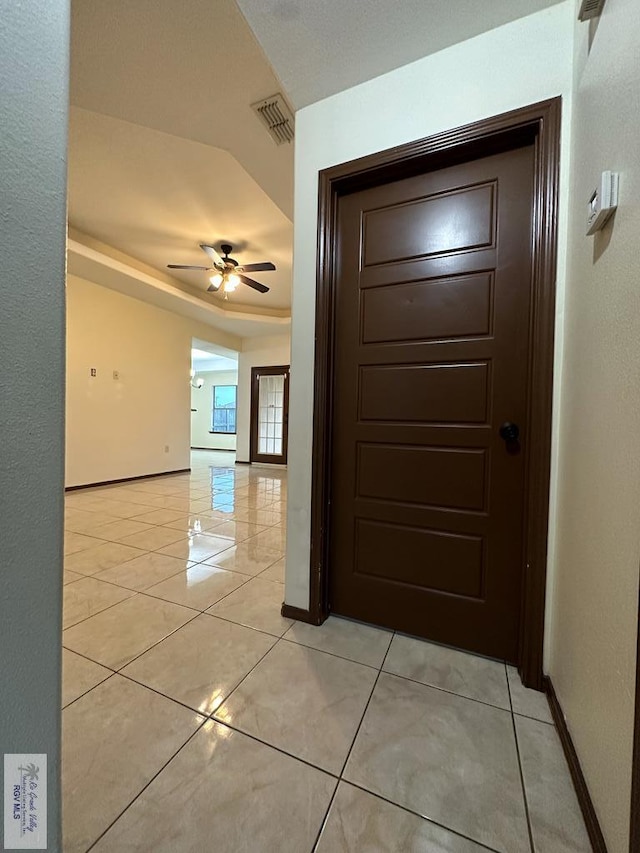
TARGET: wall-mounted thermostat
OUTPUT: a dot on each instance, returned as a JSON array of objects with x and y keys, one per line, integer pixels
[{"x": 603, "y": 202}]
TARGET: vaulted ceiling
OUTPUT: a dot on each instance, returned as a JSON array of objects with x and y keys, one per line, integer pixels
[
  {"x": 156, "y": 196},
  {"x": 165, "y": 151},
  {"x": 320, "y": 47}
]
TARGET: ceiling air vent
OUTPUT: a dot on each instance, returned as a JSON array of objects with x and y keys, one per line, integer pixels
[
  {"x": 276, "y": 116},
  {"x": 590, "y": 9}
]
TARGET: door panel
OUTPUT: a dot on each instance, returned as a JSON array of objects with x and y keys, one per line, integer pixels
[
  {"x": 428, "y": 310},
  {"x": 424, "y": 393},
  {"x": 446, "y": 222},
  {"x": 452, "y": 478},
  {"x": 432, "y": 352},
  {"x": 421, "y": 558}
]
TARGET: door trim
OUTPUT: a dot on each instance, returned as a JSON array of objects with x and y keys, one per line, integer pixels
[
  {"x": 634, "y": 835},
  {"x": 540, "y": 124},
  {"x": 256, "y": 372}
]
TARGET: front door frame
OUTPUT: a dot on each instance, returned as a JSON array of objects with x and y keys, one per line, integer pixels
[
  {"x": 634, "y": 836},
  {"x": 540, "y": 124},
  {"x": 254, "y": 455}
]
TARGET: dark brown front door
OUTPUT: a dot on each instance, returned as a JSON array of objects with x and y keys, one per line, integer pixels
[
  {"x": 431, "y": 360},
  {"x": 269, "y": 414}
]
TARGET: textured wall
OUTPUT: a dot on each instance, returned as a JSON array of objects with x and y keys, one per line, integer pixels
[
  {"x": 593, "y": 648},
  {"x": 33, "y": 105}
]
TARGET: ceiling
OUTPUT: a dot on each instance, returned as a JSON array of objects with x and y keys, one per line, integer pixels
[
  {"x": 96, "y": 262},
  {"x": 156, "y": 196},
  {"x": 207, "y": 358},
  {"x": 320, "y": 47},
  {"x": 164, "y": 149},
  {"x": 190, "y": 68}
]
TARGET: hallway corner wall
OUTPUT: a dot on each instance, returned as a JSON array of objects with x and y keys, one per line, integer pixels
[
  {"x": 593, "y": 625},
  {"x": 34, "y": 57}
]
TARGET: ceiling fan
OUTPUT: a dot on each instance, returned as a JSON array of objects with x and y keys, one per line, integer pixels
[{"x": 227, "y": 273}]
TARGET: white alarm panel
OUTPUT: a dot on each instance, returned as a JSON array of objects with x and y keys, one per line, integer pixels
[{"x": 603, "y": 202}]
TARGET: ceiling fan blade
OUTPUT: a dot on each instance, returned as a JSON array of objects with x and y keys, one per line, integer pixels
[
  {"x": 187, "y": 267},
  {"x": 265, "y": 267},
  {"x": 215, "y": 257},
  {"x": 254, "y": 284}
]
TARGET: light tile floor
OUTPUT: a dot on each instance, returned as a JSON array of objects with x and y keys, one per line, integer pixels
[{"x": 196, "y": 718}]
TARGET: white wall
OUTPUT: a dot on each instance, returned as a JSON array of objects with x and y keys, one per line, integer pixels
[
  {"x": 523, "y": 62},
  {"x": 202, "y": 401},
  {"x": 594, "y": 620},
  {"x": 256, "y": 352},
  {"x": 118, "y": 428}
]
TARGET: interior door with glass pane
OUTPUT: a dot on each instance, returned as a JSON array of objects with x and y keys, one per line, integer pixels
[{"x": 269, "y": 414}]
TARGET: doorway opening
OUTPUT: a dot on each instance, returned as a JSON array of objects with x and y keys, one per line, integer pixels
[{"x": 214, "y": 397}]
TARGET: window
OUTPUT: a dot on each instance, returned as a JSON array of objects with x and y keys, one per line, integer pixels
[{"x": 224, "y": 408}]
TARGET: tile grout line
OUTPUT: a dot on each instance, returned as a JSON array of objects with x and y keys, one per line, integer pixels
[
  {"x": 98, "y": 612},
  {"x": 206, "y": 718},
  {"x": 147, "y": 592},
  {"x": 134, "y": 593},
  {"x": 428, "y": 820},
  {"x": 210, "y": 716},
  {"x": 128, "y": 560},
  {"x": 353, "y": 740},
  {"x": 366, "y": 707},
  {"x": 130, "y": 589},
  {"x": 325, "y": 652},
  {"x": 272, "y": 746},
  {"x": 94, "y": 532},
  {"x": 535, "y": 719},
  {"x": 91, "y": 660},
  {"x": 381, "y": 797},
  {"x": 86, "y": 692},
  {"x": 524, "y": 789},
  {"x": 196, "y": 613},
  {"x": 155, "y": 690},
  {"x": 242, "y": 680},
  {"x": 217, "y": 601},
  {"x": 325, "y": 819},
  {"x": 155, "y": 598},
  {"x": 144, "y": 788},
  {"x": 449, "y": 692}
]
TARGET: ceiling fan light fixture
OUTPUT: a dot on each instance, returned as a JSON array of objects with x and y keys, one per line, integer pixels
[
  {"x": 227, "y": 272},
  {"x": 231, "y": 282}
]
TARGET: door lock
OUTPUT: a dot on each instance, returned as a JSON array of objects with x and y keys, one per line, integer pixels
[{"x": 509, "y": 432}]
